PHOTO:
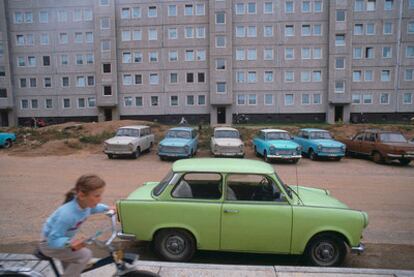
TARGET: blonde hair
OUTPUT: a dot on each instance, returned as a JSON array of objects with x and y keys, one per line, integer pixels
[{"x": 86, "y": 184}]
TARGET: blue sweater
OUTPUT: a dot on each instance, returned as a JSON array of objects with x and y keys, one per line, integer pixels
[{"x": 62, "y": 225}]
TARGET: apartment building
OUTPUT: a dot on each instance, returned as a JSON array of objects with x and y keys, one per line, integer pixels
[{"x": 209, "y": 61}]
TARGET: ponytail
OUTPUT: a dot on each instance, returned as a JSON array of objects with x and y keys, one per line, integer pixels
[{"x": 86, "y": 184}]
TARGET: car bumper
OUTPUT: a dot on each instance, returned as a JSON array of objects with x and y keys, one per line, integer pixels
[
  {"x": 400, "y": 156},
  {"x": 177, "y": 155},
  {"x": 226, "y": 154},
  {"x": 332, "y": 155},
  {"x": 358, "y": 249},
  {"x": 118, "y": 152},
  {"x": 125, "y": 236},
  {"x": 284, "y": 157}
]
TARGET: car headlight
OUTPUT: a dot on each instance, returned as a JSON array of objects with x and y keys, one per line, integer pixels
[
  {"x": 272, "y": 148},
  {"x": 319, "y": 147},
  {"x": 186, "y": 148},
  {"x": 131, "y": 146},
  {"x": 298, "y": 149},
  {"x": 343, "y": 147},
  {"x": 160, "y": 147},
  {"x": 241, "y": 146},
  {"x": 105, "y": 145}
]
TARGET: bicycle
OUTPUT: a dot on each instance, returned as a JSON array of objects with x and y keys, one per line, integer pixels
[{"x": 124, "y": 262}]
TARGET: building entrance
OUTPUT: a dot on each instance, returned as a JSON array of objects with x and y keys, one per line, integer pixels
[
  {"x": 221, "y": 115},
  {"x": 339, "y": 113},
  {"x": 4, "y": 119},
  {"x": 108, "y": 114}
]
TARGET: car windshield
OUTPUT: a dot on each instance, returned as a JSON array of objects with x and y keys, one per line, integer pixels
[
  {"x": 320, "y": 135},
  {"x": 124, "y": 132},
  {"x": 226, "y": 134},
  {"x": 163, "y": 184},
  {"x": 392, "y": 137},
  {"x": 278, "y": 135},
  {"x": 179, "y": 134},
  {"x": 285, "y": 187}
]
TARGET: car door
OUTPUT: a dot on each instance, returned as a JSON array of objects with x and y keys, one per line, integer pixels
[
  {"x": 368, "y": 145},
  {"x": 252, "y": 224},
  {"x": 355, "y": 145}
]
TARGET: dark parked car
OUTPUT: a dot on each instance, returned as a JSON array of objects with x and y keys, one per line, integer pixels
[{"x": 381, "y": 146}]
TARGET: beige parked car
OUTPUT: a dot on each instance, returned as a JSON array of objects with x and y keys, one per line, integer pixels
[
  {"x": 130, "y": 141},
  {"x": 226, "y": 142}
]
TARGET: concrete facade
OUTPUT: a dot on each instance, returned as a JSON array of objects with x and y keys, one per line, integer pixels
[{"x": 271, "y": 60}]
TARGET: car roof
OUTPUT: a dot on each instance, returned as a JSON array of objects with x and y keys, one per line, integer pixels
[
  {"x": 273, "y": 130},
  {"x": 134, "y": 127},
  {"x": 313, "y": 130},
  {"x": 182, "y": 129},
  {"x": 225, "y": 128},
  {"x": 381, "y": 131},
  {"x": 223, "y": 165}
]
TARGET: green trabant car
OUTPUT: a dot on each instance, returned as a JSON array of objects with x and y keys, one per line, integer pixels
[{"x": 239, "y": 206}]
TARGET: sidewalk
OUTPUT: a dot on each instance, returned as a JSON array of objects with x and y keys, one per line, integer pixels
[{"x": 166, "y": 269}]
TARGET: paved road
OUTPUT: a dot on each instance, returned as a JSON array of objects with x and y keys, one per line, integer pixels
[{"x": 32, "y": 187}]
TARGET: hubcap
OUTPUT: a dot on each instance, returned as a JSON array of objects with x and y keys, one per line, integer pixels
[
  {"x": 325, "y": 252},
  {"x": 175, "y": 245}
]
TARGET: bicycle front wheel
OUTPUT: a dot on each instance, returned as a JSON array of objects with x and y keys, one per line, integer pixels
[{"x": 140, "y": 273}]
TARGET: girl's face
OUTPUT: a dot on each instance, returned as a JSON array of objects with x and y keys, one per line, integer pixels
[{"x": 91, "y": 199}]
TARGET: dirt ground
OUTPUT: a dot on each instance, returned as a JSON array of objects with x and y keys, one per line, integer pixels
[{"x": 33, "y": 185}]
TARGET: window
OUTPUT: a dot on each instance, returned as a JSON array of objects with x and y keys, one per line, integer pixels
[
  {"x": 268, "y": 76},
  {"x": 24, "y": 103},
  {"x": 289, "y": 54},
  {"x": 268, "y": 99},
  {"x": 252, "y": 99},
  {"x": 384, "y": 98},
  {"x": 172, "y": 10},
  {"x": 409, "y": 74},
  {"x": 386, "y": 52},
  {"x": 172, "y": 56},
  {"x": 220, "y": 17},
  {"x": 127, "y": 79},
  {"x": 23, "y": 82},
  {"x": 251, "y": 8},
  {"x": 367, "y": 99},
  {"x": 89, "y": 37},
  {"x": 125, "y": 13},
  {"x": 410, "y": 27},
  {"x": 340, "y": 15},
  {"x": 251, "y": 54},
  {"x": 369, "y": 52},
  {"x": 268, "y": 31},
  {"x": 34, "y": 103},
  {"x": 188, "y": 9},
  {"x": 240, "y": 31},
  {"x": 152, "y": 34},
  {"x": 305, "y": 76},
  {"x": 289, "y": 7},
  {"x": 136, "y": 12},
  {"x": 105, "y": 23},
  {"x": 200, "y": 9},
  {"x": 317, "y": 6},
  {"x": 43, "y": 17},
  {"x": 81, "y": 103},
  {"x": 18, "y": 17},
  {"x": 190, "y": 100},
  {"x": 31, "y": 61},
  {"x": 152, "y": 11},
  {"x": 190, "y": 77},
  {"x": 138, "y": 57},
  {"x": 306, "y": 30},
  {"x": 385, "y": 75},
  {"x": 32, "y": 82},
  {"x": 172, "y": 33},
  {"x": 153, "y": 57},
  {"x": 370, "y": 29},
  {"x": 64, "y": 60},
  {"x": 138, "y": 79},
  {"x": 240, "y": 55},
  {"x": 409, "y": 51},
  {"x": 268, "y": 7},
  {"x": 154, "y": 79},
  {"x": 66, "y": 103},
  {"x": 201, "y": 100},
  {"x": 316, "y": 76},
  {"x": 173, "y": 78},
  {"x": 251, "y": 31},
  {"x": 411, "y": 4},
  {"x": 21, "y": 61},
  {"x": 126, "y": 57},
  {"x": 77, "y": 15},
  {"x": 87, "y": 14},
  {"x": 189, "y": 55},
  {"x": 79, "y": 59},
  {"x": 240, "y": 8},
  {"x": 371, "y": 5},
  {"x": 200, "y": 32},
  {"x": 19, "y": 40},
  {"x": 387, "y": 28},
  {"x": 289, "y": 30},
  {"x": 241, "y": 99},
  {"x": 388, "y": 5},
  {"x": 339, "y": 86},
  {"x": 107, "y": 90},
  {"x": 221, "y": 87},
  {"x": 29, "y": 39},
  {"x": 136, "y": 35},
  {"x": 91, "y": 102},
  {"x": 220, "y": 64},
  {"x": 2, "y": 71},
  {"x": 317, "y": 30},
  {"x": 289, "y": 76},
  {"x": 240, "y": 77},
  {"x": 359, "y": 5},
  {"x": 340, "y": 40},
  {"x": 358, "y": 29},
  {"x": 407, "y": 98},
  {"x": 91, "y": 81},
  {"x": 317, "y": 53},
  {"x": 126, "y": 35},
  {"x": 251, "y": 77},
  {"x": 340, "y": 63},
  {"x": 268, "y": 54},
  {"x": 154, "y": 101},
  {"x": 174, "y": 100},
  {"x": 138, "y": 101},
  {"x": 306, "y": 6},
  {"x": 356, "y": 99},
  {"x": 49, "y": 103},
  {"x": 357, "y": 75},
  {"x": 357, "y": 53},
  {"x": 201, "y": 78},
  {"x": 317, "y": 99},
  {"x": 305, "y": 99},
  {"x": 63, "y": 38},
  {"x": 189, "y": 32},
  {"x": 220, "y": 41},
  {"x": 128, "y": 101},
  {"x": 368, "y": 75},
  {"x": 105, "y": 45},
  {"x": 62, "y": 16},
  {"x": 78, "y": 37},
  {"x": 65, "y": 81},
  {"x": 289, "y": 99},
  {"x": 90, "y": 58},
  {"x": 80, "y": 81}
]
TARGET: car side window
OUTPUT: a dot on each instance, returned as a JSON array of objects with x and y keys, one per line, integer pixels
[
  {"x": 359, "y": 137},
  {"x": 305, "y": 135},
  {"x": 252, "y": 187},
  {"x": 370, "y": 137},
  {"x": 198, "y": 186}
]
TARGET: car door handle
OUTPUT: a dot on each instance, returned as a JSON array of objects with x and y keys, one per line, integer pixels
[{"x": 229, "y": 211}]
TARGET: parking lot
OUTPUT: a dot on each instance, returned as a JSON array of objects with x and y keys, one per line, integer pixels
[{"x": 32, "y": 187}]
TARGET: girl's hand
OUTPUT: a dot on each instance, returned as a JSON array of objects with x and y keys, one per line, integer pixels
[{"x": 77, "y": 244}]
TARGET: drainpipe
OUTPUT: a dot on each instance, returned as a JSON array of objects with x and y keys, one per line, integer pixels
[{"x": 398, "y": 57}]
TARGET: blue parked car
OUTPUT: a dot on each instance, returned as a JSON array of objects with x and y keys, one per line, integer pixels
[
  {"x": 179, "y": 142},
  {"x": 319, "y": 143},
  {"x": 277, "y": 144},
  {"x": 6, "y": 139}
]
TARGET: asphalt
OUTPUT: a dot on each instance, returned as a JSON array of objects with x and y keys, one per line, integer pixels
[{"x": 166, "y": 269}]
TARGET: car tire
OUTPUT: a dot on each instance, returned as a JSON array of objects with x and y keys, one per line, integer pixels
[
  {"x": 110, "y": 156},
  {"x": 265, "y": 157},
  {"x": 312, "y": 155},
  {"x": 140, "y": 273},
  {"x": 377, "y": 157},
  {"x": 175, "y": 245},
  {"x": 326, "y": 250},
  {"x": 295, "y": 161},
  {"x": 404, "y": 161},
  {"x": 136, "y": 154},
  {"x": 8, "y": 143}
]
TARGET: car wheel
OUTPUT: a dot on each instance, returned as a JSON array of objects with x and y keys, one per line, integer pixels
[
  {"x": 265, "y": 157},
  {"x": 404, "y": 161},
  {"x": 295, "y": 161},
  {"x": 175, "y": 245},
  {"x": 377, "y": 157},
  {"x": 137, "y": 152},
  {"x": 140, "y": 273},
  {"x": 326, "y": 250},
  {"x": 110, "y": 156},
  {"x": 8, "y": 143},
  {"x": 312, "y": 155}
]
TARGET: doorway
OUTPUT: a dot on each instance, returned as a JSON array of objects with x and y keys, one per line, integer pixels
[
  {"x": 4, "y": 119},
  {"x": 221, "y": 115},
  {"x": 108, "y": 114},
  {"x": 339, "y": 113}
]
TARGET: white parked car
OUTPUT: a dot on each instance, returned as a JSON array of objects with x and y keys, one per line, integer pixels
[
  {"x": 129, "y": 140},
  {"x": 226, "y": 142}
]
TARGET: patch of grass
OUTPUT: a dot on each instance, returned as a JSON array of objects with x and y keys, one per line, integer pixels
[{"x": 97, "y": 139}]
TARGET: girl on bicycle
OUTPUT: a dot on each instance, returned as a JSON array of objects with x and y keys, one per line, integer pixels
[{"x": 60, "y": 228}]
